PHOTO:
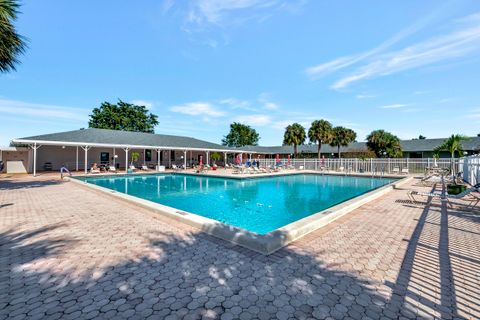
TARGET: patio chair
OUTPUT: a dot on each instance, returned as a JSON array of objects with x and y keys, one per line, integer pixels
[
  {"x": 467, "y": 195},
  {"x": 175, "y": 168},
  {"x": 132, "y": 167},
  {"x": 405, "y": 171},
  {"x": 112, "y": 169},
  {"x": 396, "y": 170},
  {"x": 145, "y": 168}
]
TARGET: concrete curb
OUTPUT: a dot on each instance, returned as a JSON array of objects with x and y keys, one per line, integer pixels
[{"x": 262, "y": 243}]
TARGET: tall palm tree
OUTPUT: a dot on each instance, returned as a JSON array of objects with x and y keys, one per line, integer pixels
[
  {"x": 452, "y": 144},
  {"x": 341, "y": 137},
  {"x": 320, "y": 132},
  {"x": 11, "y": 43},
  {"x": 294, "y": 135}
]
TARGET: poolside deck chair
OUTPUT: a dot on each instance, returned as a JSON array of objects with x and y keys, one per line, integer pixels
[
  {"x": 405, "y": 171},
  {"x": 467, "y": 195},
  {"x": 237, "y": 169},
  {"x": 112, "y": 169},
  {"x": 175, "y": 168},
  {"x": 132, "y": 167},
  {"x": 396, "y": 170},
  {"x": 145, "y": 168}
]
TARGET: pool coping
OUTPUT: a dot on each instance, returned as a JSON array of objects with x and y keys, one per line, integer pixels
[{"x": 262, "y": 243}]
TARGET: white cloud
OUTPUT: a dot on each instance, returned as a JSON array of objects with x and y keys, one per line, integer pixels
[
  {"x": 22, "y": 108},
  {"x": 282, "y": 124},
  {"x": 264, "y": 99},
  {"x": 197, "y": 109},
  {"x": 365, "y": 96},
  {"x": 346, "y": 61},
  {"x": 254, "y": 120},
  {"x": 394, "y": 106},
  {"x": 441, "y": 48},
  {"x": 146, "y": 103},
  {"x": 270, "y": 105},
  {"x": 377, "y": 62},
  {"x": 237, "y": 104},
  {"x": 200, "y": 15}
]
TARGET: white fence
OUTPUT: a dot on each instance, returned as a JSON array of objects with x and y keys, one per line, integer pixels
[
  {"x": 374, "y": 166},
  {"x": 470, "y": 167}
]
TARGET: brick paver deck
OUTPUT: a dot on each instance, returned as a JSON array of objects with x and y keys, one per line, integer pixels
[{"x": 69, "y": 252}]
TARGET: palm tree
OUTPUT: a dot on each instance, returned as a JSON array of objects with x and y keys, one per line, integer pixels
[
  {"x": 294, "y": 135},
  {"x": 341, "y": 137},
  {"x": 453, "y": 144},
  {"x": 320, "y": 132},
  {"x": 384, "y": 143},
  {"x": 11, "y": 43}
]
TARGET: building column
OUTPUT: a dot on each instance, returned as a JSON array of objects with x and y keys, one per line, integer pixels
[
  {"x": 158, "y": 159},
  {"x": 86, "y": 148},
  {"x": 114, "y": 159},
  {"x": 169, "y": 158},
  {"x": 225, "y": 160},
  {"x": 126, "y": 159},
  {"x": 76, "y": 163},
  {"x": 35, "y": 147},
  {"x": 185, "y": 159}
]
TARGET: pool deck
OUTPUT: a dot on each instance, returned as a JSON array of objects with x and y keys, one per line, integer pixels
[
  {"x": 262, "y": 243},
  {"x": 70, "y": 252}
]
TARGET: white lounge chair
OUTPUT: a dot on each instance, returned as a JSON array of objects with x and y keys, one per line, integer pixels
[
  {"x": 473, "y": 199},
  {"x": 112, "y": 169},
  {"x": 132, "y": 167},
  {"x": 145, "y": 168},
  {"x": 396, "y": 170},
  {"x": 405, "y": 171}
]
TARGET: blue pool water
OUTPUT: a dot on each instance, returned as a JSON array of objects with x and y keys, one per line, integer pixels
[{"x": 259, "y": 205}]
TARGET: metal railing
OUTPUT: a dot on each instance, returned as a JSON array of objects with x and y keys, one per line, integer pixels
[{"x": 373, "y": 165}]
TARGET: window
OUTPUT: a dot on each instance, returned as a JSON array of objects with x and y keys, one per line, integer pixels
[
  {"x": 104, "y": 157},
  {"x": 148, "y": 155},
  {"x": 172, "y": 155}
]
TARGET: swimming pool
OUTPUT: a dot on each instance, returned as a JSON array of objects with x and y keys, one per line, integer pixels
[{"x": 259, "y": 205}]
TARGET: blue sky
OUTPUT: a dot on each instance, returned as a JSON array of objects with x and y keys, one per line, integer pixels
[{"x": 409, "y": 67}]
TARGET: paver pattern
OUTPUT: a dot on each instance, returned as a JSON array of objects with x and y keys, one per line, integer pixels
[{"x": 70, "y": 252}]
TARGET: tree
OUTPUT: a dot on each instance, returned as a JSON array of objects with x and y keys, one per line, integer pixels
[
  {"x": 123, "y": 116},
  {"x": 320, "y": 132},
  {"x": 11, "y": 43},
  {"x": 452, "y": 144},
  {"x": 294, "y": 135},
  {"x": 384, "y": 144},
  {"x": 241, "y": 135},
  {"x": 420, "y": 137},
  {"x": 341, "y": 137},
  {"x": 134, "y": 157},
  {"x": 215, "y": 157}
]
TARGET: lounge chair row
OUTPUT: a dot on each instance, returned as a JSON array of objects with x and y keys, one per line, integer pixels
[{"x": 471, "y": 195}]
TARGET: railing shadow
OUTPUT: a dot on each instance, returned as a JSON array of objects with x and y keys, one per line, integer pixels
[
  {"x": 193, "y": 276},
  {"x": 426, "y": 278},
  {"x": 14, "y": 184}
]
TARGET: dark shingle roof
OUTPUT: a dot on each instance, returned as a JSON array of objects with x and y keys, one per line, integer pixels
[
  {"x": 472, "y": 144},
  {"x": 116, "y": 137}
]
